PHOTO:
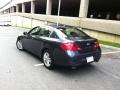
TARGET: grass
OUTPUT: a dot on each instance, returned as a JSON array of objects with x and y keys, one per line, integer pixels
[{"x": 110, "y": 43}]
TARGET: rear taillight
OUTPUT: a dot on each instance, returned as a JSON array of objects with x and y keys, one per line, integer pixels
[
  {"x": 70, "y": 46},
  {"x": 97, "y": 45}
]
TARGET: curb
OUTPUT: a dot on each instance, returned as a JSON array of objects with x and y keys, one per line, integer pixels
[{"x": 110, "y": 47}]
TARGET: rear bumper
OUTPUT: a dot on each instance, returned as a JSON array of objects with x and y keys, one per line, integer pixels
[
  {"x": 75, "y": 58},
  {"x": 82, "y": 59}
]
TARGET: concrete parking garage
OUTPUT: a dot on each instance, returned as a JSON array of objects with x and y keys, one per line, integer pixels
[{"x": 99, "y": 18}]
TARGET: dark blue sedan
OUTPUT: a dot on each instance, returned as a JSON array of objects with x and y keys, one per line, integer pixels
[{"x": 60, "y": 45}]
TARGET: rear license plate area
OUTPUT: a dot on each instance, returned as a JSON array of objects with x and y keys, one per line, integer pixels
[{"x": 90, "y": 59}]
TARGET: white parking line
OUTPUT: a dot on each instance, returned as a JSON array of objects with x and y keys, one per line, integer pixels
[
  {"x": 41, "y": 64},
  {"x": 111, "y": 52},
  {"x": 105, "y": 53},
  {"x": 110, "y": 74}
]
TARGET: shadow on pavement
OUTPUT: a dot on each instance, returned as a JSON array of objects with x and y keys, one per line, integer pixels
[
  {"x": 79, "y": 71},
  {"x": 67, "y": 71}
]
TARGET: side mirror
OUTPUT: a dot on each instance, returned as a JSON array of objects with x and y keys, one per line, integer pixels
[{"x": 25, "y": 33}]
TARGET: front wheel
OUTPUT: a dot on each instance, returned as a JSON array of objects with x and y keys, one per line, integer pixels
[
  {"x": 47, "y": 60},
  {"x": 19, "y": 45}
]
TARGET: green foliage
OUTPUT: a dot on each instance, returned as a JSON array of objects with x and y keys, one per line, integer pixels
[{"x": 110, "y": 43}]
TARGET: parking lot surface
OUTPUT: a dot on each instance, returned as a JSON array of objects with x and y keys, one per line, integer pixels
[{"x": 19, "y": 70}]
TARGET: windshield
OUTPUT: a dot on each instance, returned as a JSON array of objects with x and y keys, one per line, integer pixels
[{"x": 73, "y": 32}]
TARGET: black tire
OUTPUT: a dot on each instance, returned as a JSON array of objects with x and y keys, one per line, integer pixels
[
  {"x": 19, "y": 45},
  {"x": 47, "y": 60}
]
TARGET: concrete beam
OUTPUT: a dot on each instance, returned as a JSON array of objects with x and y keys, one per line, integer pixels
[
  {"x": 49, "y": 7},
  {"x": 84, "y": 4}
]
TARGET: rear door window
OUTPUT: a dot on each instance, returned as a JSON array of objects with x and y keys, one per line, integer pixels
[
  {"x": 54, "y": 35},
  {"x": 45, "y": 32},
  {"x": 73, "y": 32}
]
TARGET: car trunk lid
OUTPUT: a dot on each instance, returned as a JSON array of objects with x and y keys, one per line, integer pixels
[{"x": 86, "y": 45}]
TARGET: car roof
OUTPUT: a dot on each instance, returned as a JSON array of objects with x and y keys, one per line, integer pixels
[{"x": 61, "y": 26}]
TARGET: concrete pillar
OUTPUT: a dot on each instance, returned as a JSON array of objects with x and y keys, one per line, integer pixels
[
  {"x": 23, "y": 7},
  {"x": 2, "y": 12},
  {"x": 10, "y": 9},
  {"x": 13, "y": 9},
  {"x": 84, "y": 4},
  {"x": 91, "y": 16},
  {"x": 7, "y": 11},
  {"x": 118, "y": 16},
  {"x": 17, "y": 8},
  {"x": 32, "y": 7},
  {"x": 49, "y": 7},
  {"x": 108, "y": 16}
]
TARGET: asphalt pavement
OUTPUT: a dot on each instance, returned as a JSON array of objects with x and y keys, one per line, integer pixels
[{"x": 19, "y": 70}]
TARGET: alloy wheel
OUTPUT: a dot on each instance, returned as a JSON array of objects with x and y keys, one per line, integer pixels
[
  {"x": 19, "y": 45},
  {"x": 47, "y": 60}
]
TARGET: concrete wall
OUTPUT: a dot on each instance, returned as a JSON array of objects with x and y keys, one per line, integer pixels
[
  {"x": 108, "y": 26},
  {"x": 101, "y": 29},
  {"x": 22, "y": 21},
  {"x": 103, "y": 36}
]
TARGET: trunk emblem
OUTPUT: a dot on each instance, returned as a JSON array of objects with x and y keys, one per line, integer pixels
[{"x": 88, "y": 44}]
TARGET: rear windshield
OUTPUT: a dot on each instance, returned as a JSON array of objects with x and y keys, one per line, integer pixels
[{"x": 73, "y": 32}]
